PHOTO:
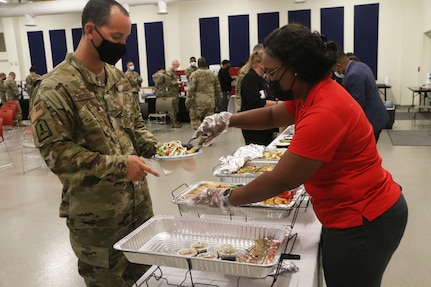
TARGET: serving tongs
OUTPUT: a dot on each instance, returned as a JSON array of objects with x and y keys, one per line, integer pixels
[{"x": 191, "y": 148}]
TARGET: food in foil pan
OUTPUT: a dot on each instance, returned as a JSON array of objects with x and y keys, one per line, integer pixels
[
  {"x": 273, "y": 154},
  {"x": 255, "y": 169},
  {"x": 188, "y": 252},
  {"x": 262, "y": 252},
  {"x": 231, "y": 163},
  {"x": 207, "y": 255},
  {"x": 227, "y": 252},
  {"x": 200, "y": 247},
  {"x": 196, "y": 190}
]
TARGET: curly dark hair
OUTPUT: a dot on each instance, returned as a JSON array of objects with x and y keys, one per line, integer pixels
[{"x": 304, "y": 51}]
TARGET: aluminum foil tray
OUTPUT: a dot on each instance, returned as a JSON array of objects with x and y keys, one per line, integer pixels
[
  {"x": 243, "y": 177},
  {"x": 157, "y": 242},
  {"x": 254, "y": 210}
]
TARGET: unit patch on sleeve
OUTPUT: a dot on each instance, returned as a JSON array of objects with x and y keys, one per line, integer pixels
[{"x": 42, "y": 130}]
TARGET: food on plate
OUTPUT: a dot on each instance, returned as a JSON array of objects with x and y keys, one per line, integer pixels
[
  {"x": 172, "y": 148},
  {"x": 263, "y": 251},
  {"x": 188, "y": 252},
  {"x": 207, "y": 255},
  {"x": 256, "y": 169},
  {"x": 227, "y": 252},
  {"x": 200, "y": 246},
  {"x": 273, "y": 154}
]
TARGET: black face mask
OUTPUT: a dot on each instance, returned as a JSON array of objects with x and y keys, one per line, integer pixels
[
  {"x": 282, "y": 95},
  {"x": 110, "y": 52}
]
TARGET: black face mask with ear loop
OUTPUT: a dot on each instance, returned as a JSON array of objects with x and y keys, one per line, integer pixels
[
  {"x": 279, "y": 93},
  {"x": 110, "y": 52}
]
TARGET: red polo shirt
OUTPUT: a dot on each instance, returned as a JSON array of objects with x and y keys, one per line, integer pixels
[{"x": 331, "y": 127}]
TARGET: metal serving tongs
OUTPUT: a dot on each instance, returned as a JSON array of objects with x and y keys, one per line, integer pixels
[{"x": 191, "y": 148}]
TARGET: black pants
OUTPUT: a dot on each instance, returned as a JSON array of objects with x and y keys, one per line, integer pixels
[{"x": 358, "y": 256}]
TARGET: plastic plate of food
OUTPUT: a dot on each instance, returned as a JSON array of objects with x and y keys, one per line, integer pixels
[{"x": 177, "y": 157}]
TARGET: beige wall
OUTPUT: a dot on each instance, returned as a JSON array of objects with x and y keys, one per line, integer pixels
[{"x": 403, "y": 46}]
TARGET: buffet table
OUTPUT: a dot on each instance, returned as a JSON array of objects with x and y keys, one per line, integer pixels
[{"x": 308, "y": 230}]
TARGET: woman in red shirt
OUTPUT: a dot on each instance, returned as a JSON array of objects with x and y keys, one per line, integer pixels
[{"x": 333, "y": 153}]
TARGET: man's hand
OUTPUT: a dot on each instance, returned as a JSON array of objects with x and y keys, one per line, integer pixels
[{"x": 137, "y": 169}]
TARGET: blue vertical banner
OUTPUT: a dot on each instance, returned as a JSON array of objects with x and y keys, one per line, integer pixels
[
  {"x": 332, "y": 25},
  {"x": 366, "y": 34},
  {"x": 76, "y": 37},
  {"x": 132, "y": 53},
  {"x": 300, "y": 16},
  {"x": 266, "y": 23},
  {"x": 57, "y": 39},
  {"x": 37, "y": 51},
  {"x": 210, "y": 39},
  {"x": 239, "y": 39},
  {"x": 155, "y": 46}
]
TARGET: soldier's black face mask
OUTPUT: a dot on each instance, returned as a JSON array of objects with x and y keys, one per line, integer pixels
[{"x": 110, "y": 52}]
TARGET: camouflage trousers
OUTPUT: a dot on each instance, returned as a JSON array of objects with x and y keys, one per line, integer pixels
[
  {"x": 198, "y": 114},
  {"x": 98, "y": 262}
]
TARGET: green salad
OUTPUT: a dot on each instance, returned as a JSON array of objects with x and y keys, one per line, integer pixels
[{"x": 172, "y": 148}]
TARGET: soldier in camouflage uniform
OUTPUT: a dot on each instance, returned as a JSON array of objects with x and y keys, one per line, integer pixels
[
  {"x": 193, "y": 67},
  {"x": 2, "y": 90},
  {"x": 204, "y": 94},
  {"x": 92, "y": 136},
  {"x": 12, "y": 94},
  {"x": 159, "y": 79},
  {"x": 30, "y": 80},
  {"x": 134, "y": 79},
  {"x": 172, "y": 90}
]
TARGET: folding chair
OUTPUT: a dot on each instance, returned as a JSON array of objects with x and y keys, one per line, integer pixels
[
  {"x": 163, "y": 109},
  {"x": 30, "y": 156},
  {"x": 5, "y": 158}
]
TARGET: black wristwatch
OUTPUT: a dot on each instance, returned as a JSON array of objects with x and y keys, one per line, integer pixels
[{"x": 226, "y": 195}]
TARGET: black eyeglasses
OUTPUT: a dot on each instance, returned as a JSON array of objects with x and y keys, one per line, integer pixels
[{"x": 267, "y": 75}]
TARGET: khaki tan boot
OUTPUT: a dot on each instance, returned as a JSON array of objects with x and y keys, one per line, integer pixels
[{"x": 176, "y": 125}]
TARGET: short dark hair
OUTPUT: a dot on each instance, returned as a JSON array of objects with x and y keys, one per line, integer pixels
[
  {"x": 224, "y": 62},
  {"x": 192, "y": 58},
  {"x": 202, "y": 62},
  {"x": 99, "y": 11},
  {"x": 304, "y": 51},
  {"x": 32, "y": 69}
]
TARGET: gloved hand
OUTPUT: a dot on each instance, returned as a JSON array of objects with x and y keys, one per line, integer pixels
[
  {"x": 212, "y": 126},
  {"x": 211, "y": 196}
]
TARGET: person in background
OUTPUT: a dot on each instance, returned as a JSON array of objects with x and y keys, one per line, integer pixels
[
  {"x": 160, "y": 82},
  {"x": 91, "y": 134},
  {"x": 172, "y": 90},
  {"x": 359, "y": 81},
  {"x": 333, "y": 153},
  {"x": 352, "y": 56},
  {"x": 12, "y": 94},
  {"x": 241, "y": 73},
  {"x": 254, "y": 94},
  {"x": 204, "y": 94},
  {"x": 225, "y": 83},
  {"x": 30, "y": 80},
  {"x": 134, "y": 79},
  {"x": 193, "y": 67},
  {"x": 2, "y": 89}
]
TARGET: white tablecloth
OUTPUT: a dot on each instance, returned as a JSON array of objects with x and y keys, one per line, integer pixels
[{"x": 308, "y": 229}]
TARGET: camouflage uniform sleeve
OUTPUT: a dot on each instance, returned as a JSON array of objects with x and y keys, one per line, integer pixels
[
  {"x": 217, "y": 92},
  {"x": 54, "y": 131},
  {"x": 189, "y": 102},
  {"x": 145, "y": 141}
]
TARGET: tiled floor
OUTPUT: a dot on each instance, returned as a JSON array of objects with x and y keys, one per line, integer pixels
[{"x": 34, "y": 244}]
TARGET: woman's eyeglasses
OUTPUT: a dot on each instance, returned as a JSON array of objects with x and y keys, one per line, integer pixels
[{"x": 267, "y": 75}]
